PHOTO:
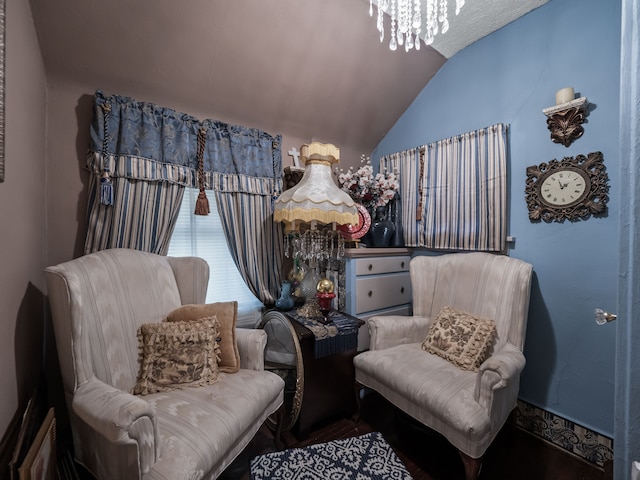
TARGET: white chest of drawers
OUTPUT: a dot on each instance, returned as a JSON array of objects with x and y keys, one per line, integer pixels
[{"x": 377, "y": 282}]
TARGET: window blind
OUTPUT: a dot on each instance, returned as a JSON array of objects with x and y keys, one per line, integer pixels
[{"x": 202, "y": 236}]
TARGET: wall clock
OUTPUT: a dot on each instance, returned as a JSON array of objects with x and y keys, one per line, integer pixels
[{"x": 571, "y": 188}]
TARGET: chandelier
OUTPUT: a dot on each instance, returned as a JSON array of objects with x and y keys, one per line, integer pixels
[{"x": 422, "y": 19}]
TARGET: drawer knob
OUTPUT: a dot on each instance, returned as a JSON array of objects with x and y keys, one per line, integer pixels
[
  {"x": 402, "y": 265},
  {"x": 402, "y": 290},
  {"x": 370, "y": 267},
  {"x": 370, "y": 293}
]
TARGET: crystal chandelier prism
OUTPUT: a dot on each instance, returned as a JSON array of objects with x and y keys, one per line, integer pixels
[{"x": 413, "y": 20}]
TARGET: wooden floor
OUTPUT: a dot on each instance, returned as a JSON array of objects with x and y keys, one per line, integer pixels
[{"x": 514, "y": 455}]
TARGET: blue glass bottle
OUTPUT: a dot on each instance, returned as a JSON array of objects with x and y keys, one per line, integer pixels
[{"x": 286, "y": 301}]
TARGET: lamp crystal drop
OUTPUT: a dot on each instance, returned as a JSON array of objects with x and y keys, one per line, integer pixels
[
  {"x": 417, "y": 20},
  {"x": 445, "y": 26},
  {"x": 393, "y": 44},
  {"x": 428, "y": 39},
  {"x": 442, "y": 15},
  {"x": 409, "y": 42},
  {"x": 403, "y": 15}
]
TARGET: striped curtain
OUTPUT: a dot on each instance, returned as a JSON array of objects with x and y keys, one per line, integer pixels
[
  {"x": 142, "y": 216},
  {"x": 255, "y": 241},
  {"x": 465, "y": 191},
  {"x": 147, "y": 153},
  {"x": 406, "y": 165}
]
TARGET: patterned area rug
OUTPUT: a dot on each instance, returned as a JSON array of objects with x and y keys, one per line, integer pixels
[{"x": 367, "y": 457}]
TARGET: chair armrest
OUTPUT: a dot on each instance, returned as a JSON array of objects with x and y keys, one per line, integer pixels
[
  {"x": 251, "y": 344},
  {"x": 391, "y": 330},
  {"x": 508, "y": 362},
  {"x": 121, "y": 417},
  {"x": 501, "y": 371}
]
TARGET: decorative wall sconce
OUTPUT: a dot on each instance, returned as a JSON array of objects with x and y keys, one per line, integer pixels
[{"x": 565, "y": 119}]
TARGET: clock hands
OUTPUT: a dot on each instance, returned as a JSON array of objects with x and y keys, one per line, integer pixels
[{"x": 563, "y": 185}]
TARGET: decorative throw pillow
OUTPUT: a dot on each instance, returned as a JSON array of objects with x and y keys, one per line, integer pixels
[
  {"x": 226, "y": 313},
  {"x": 177, "y": 355},
  {"x": 461, "y": 338}
]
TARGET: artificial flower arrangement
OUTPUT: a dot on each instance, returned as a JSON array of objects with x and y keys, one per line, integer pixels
[{"x": 365, "y": 188}]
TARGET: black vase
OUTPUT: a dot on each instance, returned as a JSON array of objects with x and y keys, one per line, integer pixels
[
  {"x": 381, "y": 229},
  {"x": 396, "y": 217}
]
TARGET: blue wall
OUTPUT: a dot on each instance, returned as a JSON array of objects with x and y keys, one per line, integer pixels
[{"x": 509, "y": 77}]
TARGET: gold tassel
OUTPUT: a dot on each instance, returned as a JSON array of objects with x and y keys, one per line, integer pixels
[{"x": 202, "y": 203}]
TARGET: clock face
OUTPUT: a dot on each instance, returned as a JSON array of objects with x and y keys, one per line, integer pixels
[{"x": 564, "y": 187}]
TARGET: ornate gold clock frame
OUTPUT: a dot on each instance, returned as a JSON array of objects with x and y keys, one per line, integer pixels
[{"x": 584, "y": 175}]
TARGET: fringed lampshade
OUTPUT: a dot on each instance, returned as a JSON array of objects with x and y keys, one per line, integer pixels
[{"x": 316, "y": 197}]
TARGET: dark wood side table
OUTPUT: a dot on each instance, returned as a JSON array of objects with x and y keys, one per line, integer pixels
[{"x": 328, "y": 384}]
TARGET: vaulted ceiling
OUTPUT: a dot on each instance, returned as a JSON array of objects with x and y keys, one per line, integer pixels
[{"x": 311, "y": 69}]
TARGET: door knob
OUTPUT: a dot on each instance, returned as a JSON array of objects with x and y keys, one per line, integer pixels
[{"x": 603, "y": 317}]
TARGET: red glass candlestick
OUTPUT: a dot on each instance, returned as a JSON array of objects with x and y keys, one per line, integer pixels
[{"x": 324, "y": 302}]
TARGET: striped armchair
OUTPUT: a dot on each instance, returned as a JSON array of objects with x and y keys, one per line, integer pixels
[
  {"x": 467, "y": 406},
  {"x": 97, "y": 303}
]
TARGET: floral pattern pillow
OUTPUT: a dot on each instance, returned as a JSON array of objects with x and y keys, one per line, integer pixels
[
  {"x": 176, "y": 355},
  {"x": 461, "y": 338}
]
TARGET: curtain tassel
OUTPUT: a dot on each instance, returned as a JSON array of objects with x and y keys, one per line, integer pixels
[
  {"x": 202, "y": 203},
  {"x": 106, "y": 189}
]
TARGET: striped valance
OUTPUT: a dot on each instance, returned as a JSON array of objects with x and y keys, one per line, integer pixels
[
  {"x": 137, "y": 168},
  {"x": 163, "y": 144}
]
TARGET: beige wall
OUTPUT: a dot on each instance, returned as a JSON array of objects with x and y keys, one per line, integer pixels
[
  {"x": 69, "y": 114},
  {"x": 22, "y": 212}
]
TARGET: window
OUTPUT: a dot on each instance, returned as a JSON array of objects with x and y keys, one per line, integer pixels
[{"x": 202, "y": 236}]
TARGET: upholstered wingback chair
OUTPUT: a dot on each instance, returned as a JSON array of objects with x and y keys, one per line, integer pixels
[
  {"x": 467, "y": 406},
  {"x": 97, "y": 303}
]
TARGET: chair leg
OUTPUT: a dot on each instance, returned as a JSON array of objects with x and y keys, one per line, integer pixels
[
  {"x": 471, "y": 466},
  {"x": 280, "y": 414},
  {"x": 357, "y": 387}
]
